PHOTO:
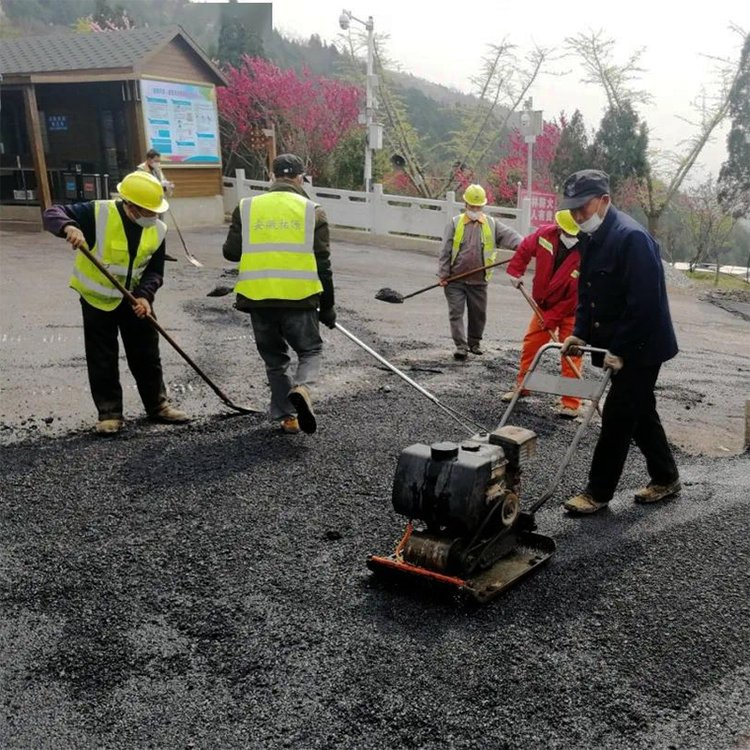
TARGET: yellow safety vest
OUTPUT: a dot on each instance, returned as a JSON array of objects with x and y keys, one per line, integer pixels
[
  {"x": 111, "y": 249},
  {"x": 489, "y": 253},
  {"x": 278, "y": 261}
]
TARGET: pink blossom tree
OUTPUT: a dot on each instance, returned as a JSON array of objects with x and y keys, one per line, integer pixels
[
  {"x": 311, "y": 114},
  {"x": 502, "y": 178}
]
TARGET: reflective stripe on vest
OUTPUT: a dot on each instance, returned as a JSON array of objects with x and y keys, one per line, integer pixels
[
  {"x": 278, "y": 260},
  {"x": 111, "y": 249},
  {"x": 489, "y": 253}
]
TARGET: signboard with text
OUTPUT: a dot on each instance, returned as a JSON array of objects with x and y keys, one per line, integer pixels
[
  {"x": 181, "y": 122},
  {"x": 543, "y": 207}
]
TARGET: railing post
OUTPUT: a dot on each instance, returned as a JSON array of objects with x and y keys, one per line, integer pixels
[
  {"x": 524, "y": 219},
  {"x": 377, "y": 212},
  {"x": 448, "y": 208},
  {"x": 239, "y": 184}
]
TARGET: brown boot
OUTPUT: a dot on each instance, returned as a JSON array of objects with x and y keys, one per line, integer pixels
[
  {"x": 108, "y": 426},
  {"x": 583, "y": 504},
  {"x": 652, "y": 493},
  {"x": 300, "y": 398},
  {"x": 290, "y": 425},
  {"x": 167, "y": 413}
]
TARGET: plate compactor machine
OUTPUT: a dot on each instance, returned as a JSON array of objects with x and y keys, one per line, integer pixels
[{"x": 466, "y": 529}]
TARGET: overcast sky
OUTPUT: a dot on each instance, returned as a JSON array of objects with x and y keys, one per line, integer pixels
[{"x": 445, "y": 42}]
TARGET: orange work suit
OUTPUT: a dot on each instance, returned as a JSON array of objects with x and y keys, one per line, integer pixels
[
  {"x": 555, "y": 290},
  {"x": 537, "y": 336}
]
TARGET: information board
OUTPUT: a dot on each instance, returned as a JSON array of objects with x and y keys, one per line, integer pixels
[{"x": 181, "y": 122}]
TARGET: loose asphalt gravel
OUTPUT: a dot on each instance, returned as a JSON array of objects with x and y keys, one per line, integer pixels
[{"x": 204, "y": 586}]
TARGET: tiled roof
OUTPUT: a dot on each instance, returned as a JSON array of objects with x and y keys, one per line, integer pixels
[{"x": 74, "y": 51}]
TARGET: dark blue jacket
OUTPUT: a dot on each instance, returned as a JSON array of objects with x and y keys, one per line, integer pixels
[{"x": 622, "y": 296}]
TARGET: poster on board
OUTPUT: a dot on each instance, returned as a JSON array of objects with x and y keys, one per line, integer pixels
[{"x": 181, "y": 122}]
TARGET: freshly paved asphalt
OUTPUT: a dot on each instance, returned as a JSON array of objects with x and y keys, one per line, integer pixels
[{"x": 204, "y": 586}]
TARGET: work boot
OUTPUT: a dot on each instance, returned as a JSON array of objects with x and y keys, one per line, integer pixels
[
  {"x": 300, "y": 398},
  {"x": 583, "y": 504},
  {"x": 565, "y": 412},
  {"x": 509, "y": 395},
  {"x": 460, "y": 353},
  {"x": 108, "y": 426},
  {"x": 476, "y": 349},
  {"x": 168, "y": 414},
  {"x": 290, "y": 425},
  {"x": 652, "y": 493}
]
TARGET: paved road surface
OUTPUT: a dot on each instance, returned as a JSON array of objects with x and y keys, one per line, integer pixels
[{"x": 204, "y": 586}]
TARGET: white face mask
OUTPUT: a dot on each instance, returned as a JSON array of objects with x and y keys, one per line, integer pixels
[
  {"x": 473, "y": 215},
  {"x": 568, "y": 240},
  {"x": 593, "y": 222},
  {"x": 146, "y": 221}
]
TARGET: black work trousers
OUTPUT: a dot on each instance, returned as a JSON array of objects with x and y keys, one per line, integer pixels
[
  {"x": 141, "y": 343},
  {"x": 629, "y": 413}
]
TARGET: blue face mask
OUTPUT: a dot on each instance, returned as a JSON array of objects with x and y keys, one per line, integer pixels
[{"x": 146, "y": 221}]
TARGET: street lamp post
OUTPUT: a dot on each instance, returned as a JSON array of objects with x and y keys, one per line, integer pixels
[
  {"x": 531, "y": 126},
  {"x": 345, "y": 19}
]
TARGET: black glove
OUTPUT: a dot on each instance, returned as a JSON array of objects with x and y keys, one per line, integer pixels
[{"x": 328, "y": 317}]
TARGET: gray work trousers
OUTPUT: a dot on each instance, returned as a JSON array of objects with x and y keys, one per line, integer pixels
[
  {"x": 276, "y": 329},
  {"x": 473, "y": 297}
]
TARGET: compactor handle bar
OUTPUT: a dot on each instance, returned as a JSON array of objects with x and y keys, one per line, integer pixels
[{"x": 595, "y": 390}]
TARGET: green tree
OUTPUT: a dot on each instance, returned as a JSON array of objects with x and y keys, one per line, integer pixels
[
  {"x": 709, "y": 226},
  {"x": 620, "y": 145},
  {"x": 237, "y": 36},
  {"x": 616, "y": 80},
  {"x": 734, "y": 178},
  {"x": 572, "y": 150}
]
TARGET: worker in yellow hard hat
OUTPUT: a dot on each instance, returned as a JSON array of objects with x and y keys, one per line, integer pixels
[
  {"x": 127, "y": 236},
  {"x": 555, "y": 248},
  {"x": 469, "y": 242}
]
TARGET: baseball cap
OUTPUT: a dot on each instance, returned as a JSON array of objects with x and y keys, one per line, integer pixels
[
  {"x": 582, "y": 186},
  {"x": 288, "y": 165}
]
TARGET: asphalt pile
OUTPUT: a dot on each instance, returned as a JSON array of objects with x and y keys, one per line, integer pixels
[{"x": 205, "y": 587}]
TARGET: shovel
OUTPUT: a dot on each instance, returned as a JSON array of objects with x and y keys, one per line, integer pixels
[
  {"x": 151, "y": 319},
  {"x": 391, "y": 295},
  {"x": 188, "y": 254}
]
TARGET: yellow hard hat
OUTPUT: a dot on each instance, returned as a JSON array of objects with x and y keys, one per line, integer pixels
[
  {"x": 474, "y": 195},
  {"x": 564, "y": 220},
  {"x": 144, "y": 190}
]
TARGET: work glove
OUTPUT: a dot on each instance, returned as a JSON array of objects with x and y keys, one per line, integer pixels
[
  {"x": 571, "y": 344},
  {"x": 515, "y": 280},
  {"x": 614, "y": 362},
  {"x": 328, "y": 317}
]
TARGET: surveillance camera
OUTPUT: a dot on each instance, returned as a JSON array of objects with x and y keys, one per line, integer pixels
[{"x": 344, "y": 20}]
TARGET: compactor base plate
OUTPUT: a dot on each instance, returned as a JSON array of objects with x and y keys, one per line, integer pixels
[{"x": 530, "y": 552}]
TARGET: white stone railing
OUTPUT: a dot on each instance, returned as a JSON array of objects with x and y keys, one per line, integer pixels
[{"x": 382, "y": 214}]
